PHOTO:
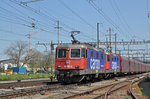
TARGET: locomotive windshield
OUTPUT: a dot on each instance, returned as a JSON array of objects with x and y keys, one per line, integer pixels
[
  {"x": 62, "y": 53},
  {"x": 75, "y": 53}
]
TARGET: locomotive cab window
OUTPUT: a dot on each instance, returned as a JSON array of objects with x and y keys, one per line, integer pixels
[
  {"x": 61, "y": 53},
  {"x": 75, "y": 53},
  {"x": 83, "y": 53},
  {"x": 56, "y": 53}
]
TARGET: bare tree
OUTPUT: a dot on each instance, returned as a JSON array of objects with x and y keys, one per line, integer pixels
[
  {"x": 41, "y": 61},
  {"x": 45, "y": 62},
  {"x": 17, "y": 51},
  {"x": 35, "y": 58}
]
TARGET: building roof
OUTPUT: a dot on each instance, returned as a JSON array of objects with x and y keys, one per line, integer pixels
[{"x": 6, "y": 60}]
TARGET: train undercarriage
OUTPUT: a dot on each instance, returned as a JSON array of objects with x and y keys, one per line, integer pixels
[{"x": 71, "y": 76}]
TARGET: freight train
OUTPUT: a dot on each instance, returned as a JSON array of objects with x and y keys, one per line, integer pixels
[{"x": 76, "y": 62}]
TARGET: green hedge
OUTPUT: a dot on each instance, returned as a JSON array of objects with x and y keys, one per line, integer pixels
[{"x": 24, "y": 76}]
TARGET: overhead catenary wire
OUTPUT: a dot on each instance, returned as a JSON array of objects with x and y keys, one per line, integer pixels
[
  {"x": 16, "y": 22},
  {"x": 119, "y": 17},
  {"x": 44, "y": 15},
  {"x": 123, "y": 18},
  {"x": 22, "y": 18},
  {"x": 101, "y": 12},
  {"x": 13, "y": 14},
  {"x": 79, "y": 18},
  {"x": 13, "y": 33},
  {"x": 84, "y": 35},
  {"x": 53, "y": 13},
  {"x": 130, "y": 30},
  {"x": 29, "y": 26},
  {"x": 21, "y": 13},
  {"x": 104, "y": 16},
  {"x": 5, "y": 40},
  {"x": 17, "y": 18},
  {"x": 18, "y": 34},
  {"x": 76, "y": 14},
  {"x": 33, "y": 10}
]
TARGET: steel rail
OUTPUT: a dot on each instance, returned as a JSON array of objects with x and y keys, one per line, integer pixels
[
  {"x": 111, "y": 91},
  {"x": 101, "y": 87}
]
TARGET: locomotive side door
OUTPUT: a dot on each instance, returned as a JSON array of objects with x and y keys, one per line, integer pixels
[
  {"x": 84, "y": 58},
  {"x": 102, "y": 60},
  {"x": 107, "y": 61}
]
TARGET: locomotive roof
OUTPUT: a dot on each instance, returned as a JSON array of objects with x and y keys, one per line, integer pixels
[
  {"x": 111, "y": 53},
  {"x": 80, "y": 45}
]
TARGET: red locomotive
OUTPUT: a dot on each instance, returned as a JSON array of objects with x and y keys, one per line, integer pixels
[{"x": 75, "y": 62}]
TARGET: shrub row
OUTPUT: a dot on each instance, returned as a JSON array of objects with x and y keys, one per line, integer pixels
[{"x": 24, "y": 76}]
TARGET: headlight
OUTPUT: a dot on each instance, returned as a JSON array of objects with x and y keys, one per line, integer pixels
[
  {"x": 77, "y": 67},
  {"x": 58, "y": 66}
]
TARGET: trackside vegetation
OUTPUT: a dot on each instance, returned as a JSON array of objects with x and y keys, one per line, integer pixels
[{"x": 24, "y": 76}]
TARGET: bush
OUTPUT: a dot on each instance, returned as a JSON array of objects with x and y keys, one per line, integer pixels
[{"x": 24, "y": 76}]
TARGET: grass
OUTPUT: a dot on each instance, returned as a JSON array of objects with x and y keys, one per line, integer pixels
[
  {"x": 24, "y": 76},
  {"x": 140, "y": 90}
]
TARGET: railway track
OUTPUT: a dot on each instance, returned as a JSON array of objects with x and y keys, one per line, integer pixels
[
  {"x": 57, "y": 90},
  {"x": 25, "y": 83},
  {"x": 99, "y": 93},
  {"x": 27, "y": 91},
  {"x": 130, "y": 92},
  {"x": 104, "y": 91}
]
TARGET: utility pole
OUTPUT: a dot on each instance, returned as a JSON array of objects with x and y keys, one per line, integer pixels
[
  {"x": 128, "y": 51},
  {"x": 97, "y": 35},
  {"x": 110, "y": 29},
  {"x": 119, "y": 52},
  {"x": 107, "y": 43},
  {"x": 52, "y": 56},
  {"x": 29, "y": 36},
  {"x": 58, "y": 31},
  {"x": 146, "y": 51},
  {"x": 115, "y": 42}
]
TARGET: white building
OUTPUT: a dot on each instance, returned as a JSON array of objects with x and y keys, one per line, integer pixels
[{"x": 9, "y": 62}]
